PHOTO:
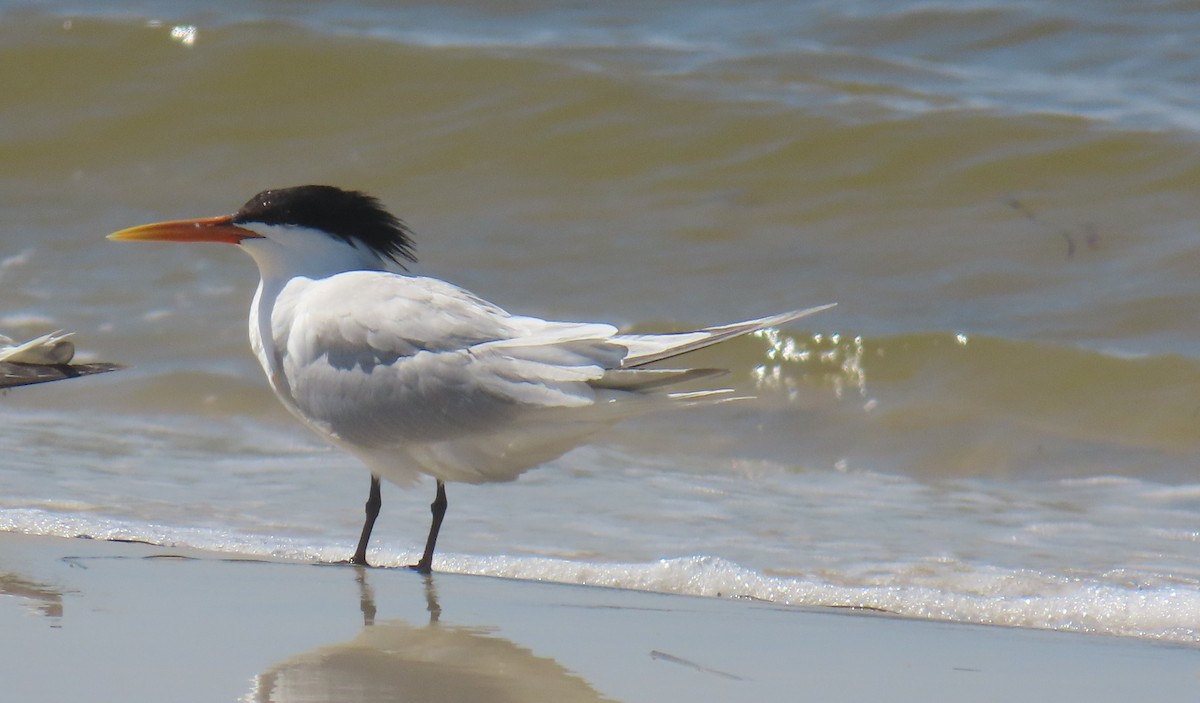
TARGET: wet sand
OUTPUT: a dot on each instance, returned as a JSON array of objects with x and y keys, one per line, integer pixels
[{"x": 85, "y": 620}]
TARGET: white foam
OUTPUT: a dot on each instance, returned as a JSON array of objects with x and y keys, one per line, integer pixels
[{"x": 955, "y": 591}]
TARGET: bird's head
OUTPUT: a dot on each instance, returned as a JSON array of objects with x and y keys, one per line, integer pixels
[{"x": 298, "y": 228}]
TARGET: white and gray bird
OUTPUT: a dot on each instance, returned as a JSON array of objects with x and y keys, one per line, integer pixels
[
  {"x": 43, "y": 359},
  {"x": 416, "y": 376}
]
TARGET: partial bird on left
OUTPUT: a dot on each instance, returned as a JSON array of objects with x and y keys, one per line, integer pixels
[
  {"x": 414, "y": 375},
  {"x": 43, "y": 359}
]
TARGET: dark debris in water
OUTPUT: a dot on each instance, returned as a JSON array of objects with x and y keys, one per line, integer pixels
[
  {"x": 1088, "y": 232},
  {"x": 663, "y": 656}
]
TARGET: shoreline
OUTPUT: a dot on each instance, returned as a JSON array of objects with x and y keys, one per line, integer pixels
[{"x": 95, "y": 620}]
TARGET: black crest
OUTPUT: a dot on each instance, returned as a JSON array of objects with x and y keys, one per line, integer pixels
[{"x": 354, "y": 217}]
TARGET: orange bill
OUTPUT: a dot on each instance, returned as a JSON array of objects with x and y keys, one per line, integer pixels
[{"x": 209, "y": 229}]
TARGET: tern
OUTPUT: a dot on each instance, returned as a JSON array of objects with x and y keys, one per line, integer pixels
[
  {"x": 416, "y": 376},
  {"x": 43, "y": 359}
]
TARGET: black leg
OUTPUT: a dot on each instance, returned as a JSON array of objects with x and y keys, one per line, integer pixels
[
  {"x": 374, "y": 502},
  {"x": 438, "y": 508}
]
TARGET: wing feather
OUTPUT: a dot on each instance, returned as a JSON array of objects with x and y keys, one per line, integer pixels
[
  {"x": 374, "y": 358},
  {"x": 649, "y": 348},
  {"x": 22, "y": 374}
]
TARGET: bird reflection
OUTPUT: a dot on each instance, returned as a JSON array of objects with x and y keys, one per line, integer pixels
[
  {"x": 47, "y": 600},
  {"x": 397, "y": 661}
]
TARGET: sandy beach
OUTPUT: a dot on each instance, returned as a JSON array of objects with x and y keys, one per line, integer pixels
[{"x": 87, "y": 620}]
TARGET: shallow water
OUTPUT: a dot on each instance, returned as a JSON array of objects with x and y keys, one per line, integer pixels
[{"x": 998, "y": 423}]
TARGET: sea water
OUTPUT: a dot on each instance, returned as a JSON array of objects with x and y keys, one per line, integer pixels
[{"x": 999, "y": 423}]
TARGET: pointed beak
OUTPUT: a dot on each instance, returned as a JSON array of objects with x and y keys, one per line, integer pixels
[{"x": 209, "y": 229}]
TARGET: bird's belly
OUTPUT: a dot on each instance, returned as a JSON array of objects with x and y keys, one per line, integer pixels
[
  {"x": 422, "y": 421},
  {"x": 432, "y": 414},
  {"x": 501, "y": 454},
  {"x": 463, "y": 437}
]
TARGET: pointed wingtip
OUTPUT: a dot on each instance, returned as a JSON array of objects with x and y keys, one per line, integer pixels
[
  {"x": 779, "y": 319},
  {"x": 665, "y": 346},
  {"x": 19, "y": 374},
  {"x": 797, "y": 314}
]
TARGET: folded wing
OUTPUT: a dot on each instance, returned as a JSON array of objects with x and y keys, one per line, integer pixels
[{"x": 425, "y": 372}]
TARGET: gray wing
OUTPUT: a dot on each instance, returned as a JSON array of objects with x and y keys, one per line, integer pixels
[
  {"x": 378, "y": 358},
  {"x": 12, "y": 375}
]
